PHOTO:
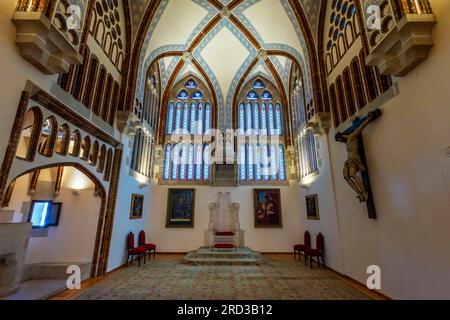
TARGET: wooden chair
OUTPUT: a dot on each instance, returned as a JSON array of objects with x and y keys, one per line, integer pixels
[
  {"x": 134, "y": 251},
  {"x": 148, "y": 246},
  {"x": 302, "y": 247},
  {"x": 317, "y": 252}
]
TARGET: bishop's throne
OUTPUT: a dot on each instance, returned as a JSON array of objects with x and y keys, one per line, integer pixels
[{"x": 224, "y": 231}]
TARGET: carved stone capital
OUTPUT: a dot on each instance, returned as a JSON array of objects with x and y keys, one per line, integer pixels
[
  {"x": 320, "y": 124},
  {"x": 127, "y": 122}
]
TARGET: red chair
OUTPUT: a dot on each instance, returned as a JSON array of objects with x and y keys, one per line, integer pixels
[
  {"x": 318, "y": 252},
  {"x": 302, "y": 247},
  {"x": 134, "y": 251},
  {"x": 149, "y": 247}
]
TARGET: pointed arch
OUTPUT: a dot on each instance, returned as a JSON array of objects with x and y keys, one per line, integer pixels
[{"x": 29, "y": 136}]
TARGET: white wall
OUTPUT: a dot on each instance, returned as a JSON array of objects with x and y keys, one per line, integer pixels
[
  {"x": 410, "y": 176},
  {"x": 262, "y": 239},
  {"x": 64, "y": 243},
  {"x": 122, "y": 222}
]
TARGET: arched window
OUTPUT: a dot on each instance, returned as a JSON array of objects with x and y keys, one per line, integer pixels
[
  {"x": 99, "y": 89},
  {"x": 47, "y": 138},
  {"x": 93, "y": 157},
  {"x": 85, "y": 148},
  {"x": 90, "y": 81},
  {"x": 306, "y": 152},
  {"x": 260, "y": 132},
  {"x": 75, "y": 144},
  {"x": 189, "y": 113},
  {"x": 108, "y": 166},
  {"x": 62, "y": 140},
  {"x": 26, "y": 148},
  {"x": 101, "y": 159}
]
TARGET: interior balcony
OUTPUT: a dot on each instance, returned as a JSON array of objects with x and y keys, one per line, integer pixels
[
  {"x": 405, "y": 38},
  {"x": 43, "y": 36}
]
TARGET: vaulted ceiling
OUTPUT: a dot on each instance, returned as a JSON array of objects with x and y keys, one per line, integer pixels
[{"x": 224, "y": 42}]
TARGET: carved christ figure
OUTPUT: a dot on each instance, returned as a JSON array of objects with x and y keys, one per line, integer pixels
[{"x": 354, "y": 164}]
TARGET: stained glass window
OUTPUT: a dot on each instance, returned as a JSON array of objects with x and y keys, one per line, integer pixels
[
  {"x": 193, "y": 114},
  {"x": 183, "y": 95},
  {"x": 170, "y": 118},
  {"x": 198, "y": 95},
  {"x": 191, "y": 84},
  {"x": 191, "y": 162},
  {"x": 252, "y": 95},
  {"x": 278, "y": 119},
  {"x": 185, "y": 117},
  {"x": 261, "y": 114},
  {"x": 189, "y": 112},
  {"x": 207, "y": 118},
  {"x": 259, "y": 84},
  {"x": 167, "y": 162}
]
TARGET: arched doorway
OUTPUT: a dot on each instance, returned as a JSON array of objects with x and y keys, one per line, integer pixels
[{"x": 77, "y": 199}]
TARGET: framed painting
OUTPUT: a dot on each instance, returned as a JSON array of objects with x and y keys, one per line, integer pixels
[
  {"x": 267, "y": 208},
  {"x": 312, "y": 207},
  {"x": 180, "y": 208},
  {"x": 137, "y": 206}
]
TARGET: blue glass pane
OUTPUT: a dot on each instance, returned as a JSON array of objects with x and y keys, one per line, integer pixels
[
  {"x": 250, "y": 162},
  {"x": 281, "y": 160},
  {"x": 206, "y": 165},
  {"x": 175, "y": 160},
  {"x": 258, "y": 161},
  {"x": 242, "y": 162},
  {"x": 265, "y": 162},
  {"x": 167, "y": 163},
  {"x": 193, "y": 114},
  {"x": 191, "y": 162},
  {"x": 259, "y": 84},
  {"x": 200, "y": 119},
  {"x": 278, "y": 119},
  {"x": 207, "y": 118},
  {"x": 266, "y": 95},
  {"x": 183, "y": 95},
  {"x": 39, "y": 214},
  {"x": 198, "y": 95},
  {"x": 178, "y": 118},
  {"x": 252, "y": 95},
  {"x": 170, "y": 118},
  {"x": 248, "y": 113},
  {"x": 264, "y": 117},
  {"x": 273, "y": 162},
  {"x": 256, "y": 118},
  {"x": 271, "y": 120},
  {"x": 183, "y": 161},
  {"x": 242, "y": 116},
  {"x": 191, "y": 84},
  {"x": 185, "y": 117},
  {"x": 198, "y": 162}
]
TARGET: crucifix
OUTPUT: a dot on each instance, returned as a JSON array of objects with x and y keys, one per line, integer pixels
[{"x": 356, "y": 164}]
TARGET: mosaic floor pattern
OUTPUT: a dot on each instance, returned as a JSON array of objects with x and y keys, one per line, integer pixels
[{"x": 173, "y": 280}]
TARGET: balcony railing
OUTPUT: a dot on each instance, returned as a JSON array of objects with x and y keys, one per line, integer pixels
[
  {"x": 43, "y": 35},
  {"x": 405, "y": 39}
]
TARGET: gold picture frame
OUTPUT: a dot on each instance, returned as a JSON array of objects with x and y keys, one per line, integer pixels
[
  {"x": 137, "y": 206},
  {"x": 312, "y": 207}
]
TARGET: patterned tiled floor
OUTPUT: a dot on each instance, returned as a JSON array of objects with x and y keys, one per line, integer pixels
[{"x": 275, "y": 280}]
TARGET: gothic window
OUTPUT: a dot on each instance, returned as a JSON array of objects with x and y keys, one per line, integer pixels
[
  {"x": 47, "y": 138},
  {"x": 85, "y": 148},
  {"x": 307, "y": 161},
  {"x": 189, "y": 113},
  {"x": 62, "y": 140},
  {"x": 144, "y": 142},
  {"x": 260, "y": 148},
  {"x": 75, "y": 144},
  {"x": 26, "y": 148}
]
